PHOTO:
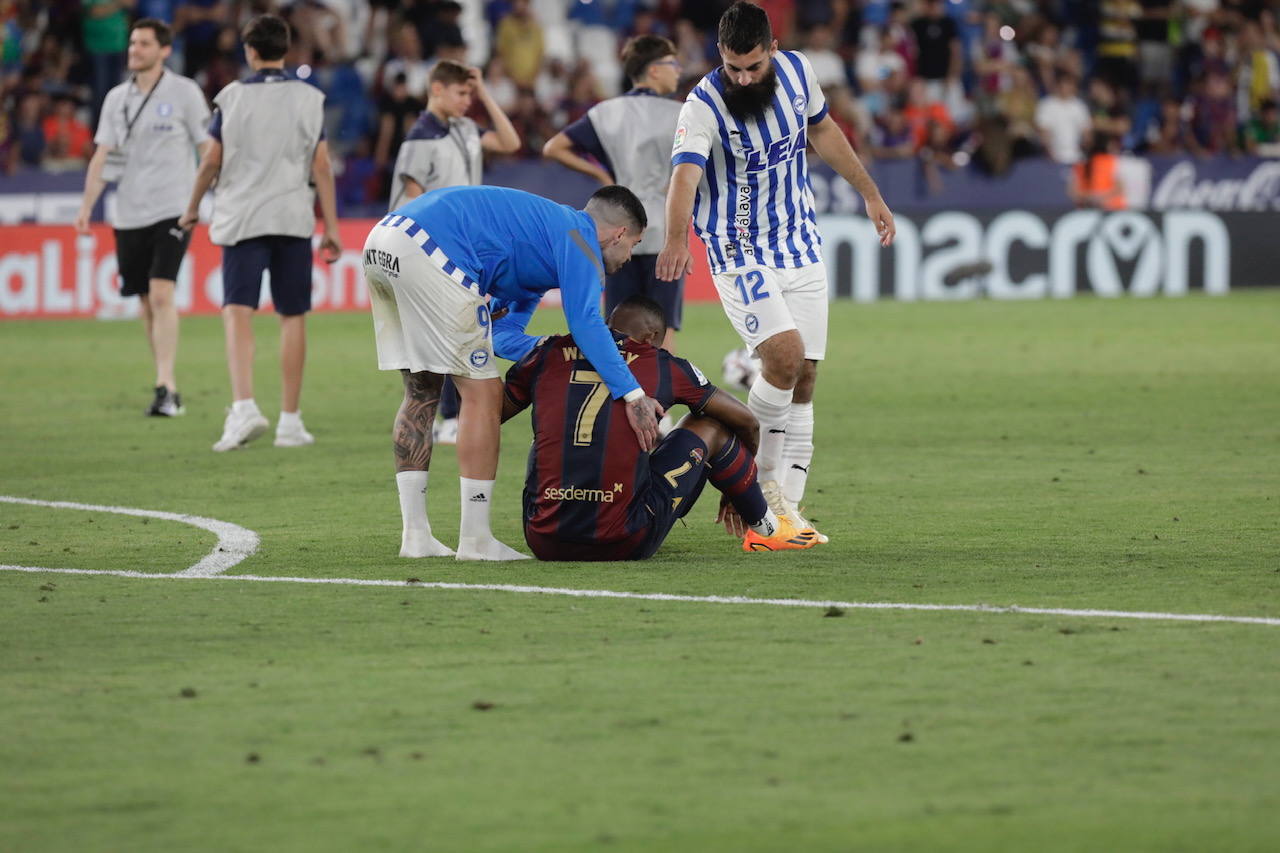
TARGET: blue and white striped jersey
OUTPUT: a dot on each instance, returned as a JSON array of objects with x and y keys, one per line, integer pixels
[{"x": 755, "y": 204}]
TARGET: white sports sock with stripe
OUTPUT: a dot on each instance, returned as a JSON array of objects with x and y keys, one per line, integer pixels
[
  {"x": 797, "y": 452},
  {"x": 772, "y": 408}
]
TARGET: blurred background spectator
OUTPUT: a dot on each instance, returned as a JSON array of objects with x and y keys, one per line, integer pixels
[{"x": 949, "y": 83}]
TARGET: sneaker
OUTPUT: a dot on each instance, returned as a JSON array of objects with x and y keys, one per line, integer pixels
[
  {"x": 240, "y": 429},
  {"x": 784, "y": 509},
  {"x": 293, "y": 436},
  {"x": 445, "y": 431},
  {"x": 785, "y": 538},
  {"x": 167, "y": 404}
]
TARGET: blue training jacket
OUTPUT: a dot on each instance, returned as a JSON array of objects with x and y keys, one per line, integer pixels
[{"x": 515, "y": 246}]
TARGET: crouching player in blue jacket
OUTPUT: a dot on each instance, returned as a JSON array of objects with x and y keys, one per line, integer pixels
[{"x": 435, "y": 266}]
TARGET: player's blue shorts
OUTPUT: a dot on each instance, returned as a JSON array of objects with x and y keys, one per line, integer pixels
[{"x": 288, "y": 258}]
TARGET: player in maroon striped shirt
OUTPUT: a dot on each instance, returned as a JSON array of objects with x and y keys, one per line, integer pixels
[{"x": 591, "y": 493}]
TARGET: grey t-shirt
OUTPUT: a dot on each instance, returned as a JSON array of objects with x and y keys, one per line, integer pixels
[
  {"x": 436, "y": 155},
  {"x": 269, "y": 126},
  {"x": 631, "y": 137},
  {"x": 161, "y": 149}
]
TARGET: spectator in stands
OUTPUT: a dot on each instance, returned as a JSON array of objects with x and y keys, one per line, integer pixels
[
  {"x": 408, "y": 62},
  {"x": 1169, "y": 133},
  {"x": 882, "y": 74},
  {"x": 531, "y": 122},
  {"x": 938, "y": 46},
  {"x": 921, "y": 109},
  {"x": 1018, "y": 106},
  {"x": 1095, "y": 179},
  {"x": 1259, "y": 74},
  {"x": 1118, "y": 44},
  {"x": 891, "y": 138},
  {"x": 1213, "y": 117},
  {"x": 28, "y": 129},
  {"x": 1107, "y": 109},
  {"x": 397, "y": 111},
  {"x": 66, "y": 137},
  {"x": 1063, "y": 119},
  {"x": 519, "y": 43},
  {"x": 105, "y": 34},
  {"x": 994, "y": 59},
  {"x": 197, "y": 24},
  {"x": 583, "y": 94},
  {"x": 1155, "y": 52},
  {"x": 1045, "y": 55},
  {"x": 224, "y": 62},
  {"x": 1262, "y": 132},
  {"x": 936, "y": 153}
]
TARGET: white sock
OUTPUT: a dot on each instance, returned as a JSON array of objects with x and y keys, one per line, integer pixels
[
  {"x": 797, "y": 452},
  {"x": 477, "y": 496},
  {"x": 772, "y": 408},
  {"x": 291, "y": 420},
  {"x": 246, "y": 406},
  {"x": 766, "y": 526},
  {"x": 412, "y": 486}
]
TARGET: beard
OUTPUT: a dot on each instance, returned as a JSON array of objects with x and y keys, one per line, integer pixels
[{"x": 752, "y": 99}]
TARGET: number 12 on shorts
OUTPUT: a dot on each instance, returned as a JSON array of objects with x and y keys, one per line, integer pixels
[{"x": 751, "y": 286}]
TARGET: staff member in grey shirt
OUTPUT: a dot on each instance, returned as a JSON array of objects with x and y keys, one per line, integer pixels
[
  {"x": 149, "y": 131},
  {"x": 268, "y": 146},
  {"x": 630, "y": 139}
]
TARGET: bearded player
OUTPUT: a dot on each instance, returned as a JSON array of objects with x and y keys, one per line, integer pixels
[{"x": 741, "y": 172}]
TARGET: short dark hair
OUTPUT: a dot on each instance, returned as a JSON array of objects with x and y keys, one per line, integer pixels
[
  {"x": 164, "y": 35},
  {"x": 744, "y": 27},
  {"x": 448, "y": 72},
  {"x": 617, "y": 205},
  {"x": 643, "y": 309},
  {"x": 268, "y": 35},
  {"x": 641, "y": 51}
]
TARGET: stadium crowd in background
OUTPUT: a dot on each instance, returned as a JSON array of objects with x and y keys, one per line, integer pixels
[{"x": 950, "y": 82}]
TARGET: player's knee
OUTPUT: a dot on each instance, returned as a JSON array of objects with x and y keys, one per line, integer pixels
[
  {"x": 160, "y": 297},
  {"x": 422, "y": 386}
]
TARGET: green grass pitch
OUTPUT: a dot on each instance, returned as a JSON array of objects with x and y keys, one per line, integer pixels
[{"x": 1120, "y": 455}]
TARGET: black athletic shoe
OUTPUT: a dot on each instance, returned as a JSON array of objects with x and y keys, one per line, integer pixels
[{"x": 167, "y": 404}]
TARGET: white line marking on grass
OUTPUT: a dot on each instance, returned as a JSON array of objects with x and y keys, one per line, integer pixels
[
  {"x": 691, "y": 599},
  {"x": 234, "y": 542}
]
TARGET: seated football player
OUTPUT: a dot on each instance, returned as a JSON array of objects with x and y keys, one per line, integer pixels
[{"x": 591, "y": 493}]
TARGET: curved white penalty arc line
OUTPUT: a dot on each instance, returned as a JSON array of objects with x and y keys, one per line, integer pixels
[
  {"x": 694, "y": 599},
  {"x": 235, "y": 543}
]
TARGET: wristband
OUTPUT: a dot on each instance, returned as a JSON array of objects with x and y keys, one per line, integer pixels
[{"x": 633, "y": 395}]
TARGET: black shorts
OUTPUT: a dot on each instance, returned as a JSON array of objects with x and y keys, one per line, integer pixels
[
  {"x": 288, "y": 259},
  {"x": 677, "y": 474},
  {"x": 155, "y": 251},
  {"x": 638, "y": 276}
]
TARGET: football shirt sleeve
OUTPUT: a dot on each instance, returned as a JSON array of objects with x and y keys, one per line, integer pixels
[
  {"x": 689, "y": 385},
  {"x": 696, "y": 131},
  {"x": 816, "y": 110},
  {"x": 509, "y": 338}
]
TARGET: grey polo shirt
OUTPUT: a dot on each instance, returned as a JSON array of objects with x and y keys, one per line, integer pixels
[
  {"x": 631, "y": 137},
  {"x": 269, "y": 126},
  {"x": 436, "y": 155},
  {"x": 161, "y": 149}
]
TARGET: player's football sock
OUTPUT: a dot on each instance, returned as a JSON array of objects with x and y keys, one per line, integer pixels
[
  {"x": 416, "y": 539},
  {"x": 732, "y": 470},
  {"x": 766, "y": 526},
  {"x": 487, "y": 548},
  {"x": 797, "y": 452},
  {"x": 772, "y": 408},
  {"x": 477, "y": 497}
]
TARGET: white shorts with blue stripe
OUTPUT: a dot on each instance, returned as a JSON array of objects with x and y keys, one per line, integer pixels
[{"x": 428, "y": 315}]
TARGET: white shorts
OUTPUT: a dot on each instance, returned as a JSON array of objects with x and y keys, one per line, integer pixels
[
  {"x": 760, "y": 302},
  {"x": 424, "y": 318}
]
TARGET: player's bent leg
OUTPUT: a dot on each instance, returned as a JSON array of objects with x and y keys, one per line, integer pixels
[
  {"x": 411, "y": 437},
  {"x": 479, "y": 437}
]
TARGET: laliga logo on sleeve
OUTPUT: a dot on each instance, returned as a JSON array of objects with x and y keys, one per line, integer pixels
[
  {"x": 681, "y": 132},
  {"x": 479, "y": 358},
  {"x": 799, "y": 104}
]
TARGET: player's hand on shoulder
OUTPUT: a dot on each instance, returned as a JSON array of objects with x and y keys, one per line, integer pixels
[
  {"x": 674, "y": 261},
  {"x": 643, "y": 413}
]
